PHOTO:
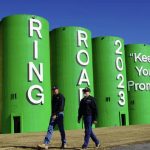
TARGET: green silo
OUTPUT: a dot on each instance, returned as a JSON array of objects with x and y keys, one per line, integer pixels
[
  {"x": 110, "y": 81},
  {"x": 26, "y": 74},
  {"x": 71, "y": 67},
  {"x": 138, "y": 81},
  {"x": 0, "y": 79}
]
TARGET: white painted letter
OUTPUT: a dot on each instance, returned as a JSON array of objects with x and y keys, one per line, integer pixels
[
  {"x": 84, "y": 78},
  {"x": 36, "y": 28},
  {"x": 38, "y": 73},
  {"x": 35, "y": 49},
  {"x": 82, "y": 36},
  {"x": 41, "y": 95},
  {"x": 130, "y": 84},
  {"x": 79, "y": 60},
  {"x": 81, "y": 93},
  {"x": 139, "y": 70}
]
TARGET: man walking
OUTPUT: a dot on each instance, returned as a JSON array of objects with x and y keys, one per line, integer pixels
[
  {"x": 88, "y": 111},
  {"x": 57, "y": 117}
]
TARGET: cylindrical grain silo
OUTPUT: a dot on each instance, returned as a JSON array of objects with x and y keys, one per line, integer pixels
[
  {"x": 0, "y": 78},
  {"x": 110, "y": 81},
  {"x": 138, "y": 81},
  {"x": 26, "y": 72},
  {"x": 71, "y": 67}
]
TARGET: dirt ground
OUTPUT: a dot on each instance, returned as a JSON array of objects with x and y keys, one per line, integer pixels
[
  {"x": 110, "y": 138},
  {"x": 142, "y": 146}
]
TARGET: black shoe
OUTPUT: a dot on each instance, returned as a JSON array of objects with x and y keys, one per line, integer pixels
[{"x": 84, "y": 147}]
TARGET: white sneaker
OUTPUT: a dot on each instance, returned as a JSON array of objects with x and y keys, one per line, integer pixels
[
  {"x": 42, "y": 146},
  {"x": 98, "y": 146}
]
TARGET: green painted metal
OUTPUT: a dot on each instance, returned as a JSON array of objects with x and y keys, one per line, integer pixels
[
  {"x": 19, "y": 48},
  {"x": 0, "y": 78},
  {"x": 138, "y": 76},
  {"x": 110, "y": 81},
  {"x": 67, "y": 55}
]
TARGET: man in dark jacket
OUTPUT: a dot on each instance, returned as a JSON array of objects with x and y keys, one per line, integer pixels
[
  {"x": 88, "y": 111},
  {"x": 57, "y": 117}
]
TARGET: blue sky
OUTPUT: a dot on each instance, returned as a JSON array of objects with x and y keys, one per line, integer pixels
[{"x": 129, "y": 19}]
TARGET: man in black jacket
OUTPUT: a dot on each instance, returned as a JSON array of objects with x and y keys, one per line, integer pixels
[
  {"x": 88, "y": 111},
  {"x": 57, "y": 117}
]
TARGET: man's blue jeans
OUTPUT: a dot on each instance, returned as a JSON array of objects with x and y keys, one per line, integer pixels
[
  {"x": 88, "y": 132},
  {"x": 59, "y": 121}
]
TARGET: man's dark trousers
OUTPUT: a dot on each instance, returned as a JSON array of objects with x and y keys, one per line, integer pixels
[
  {"x": 88, "y": 131},
  {"x": 52, "y": 124}
]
